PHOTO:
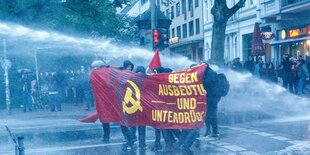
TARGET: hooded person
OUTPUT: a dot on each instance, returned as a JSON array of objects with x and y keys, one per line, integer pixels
[
  {"x": 159, "y": 70},
  {"x": 105, "y": 126},
  {"x": 210, "y": 84},
  {"x": 141, "y": 129},
  {"x": 128, "y": 65},
  {"x": 129, "y": 137},
  {"x": 158, "y": 132}
]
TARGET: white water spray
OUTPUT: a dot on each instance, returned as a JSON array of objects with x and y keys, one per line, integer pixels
[{"x": 247, "y": 95}]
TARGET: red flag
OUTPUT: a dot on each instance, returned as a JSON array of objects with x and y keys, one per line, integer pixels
[
  {"x": 155, "y": 62},
  {"x": 92, "y": 118}
]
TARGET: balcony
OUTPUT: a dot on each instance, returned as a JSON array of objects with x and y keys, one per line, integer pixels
[{"x": 291, "y": 2}]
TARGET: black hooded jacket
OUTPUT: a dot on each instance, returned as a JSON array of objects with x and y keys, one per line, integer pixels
[
  {"x": 127, "y": 63},
  {"x": 210, "y": 83}
]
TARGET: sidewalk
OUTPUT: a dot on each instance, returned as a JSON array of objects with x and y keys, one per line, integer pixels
[{"x": 43, "y": 126}]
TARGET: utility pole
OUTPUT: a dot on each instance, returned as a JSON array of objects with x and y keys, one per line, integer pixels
[
  {"x": 153, "y": 19},
  {"x": 37, "y": 69},
  {"x": 6, "y": 65}
]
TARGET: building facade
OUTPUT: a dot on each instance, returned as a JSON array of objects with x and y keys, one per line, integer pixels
[
  {"x": 239, "y": 30},
  {"x": 289, "y": 21},
  {"x": 186, "y": 27},
  {"x": 284, "y": 23}
]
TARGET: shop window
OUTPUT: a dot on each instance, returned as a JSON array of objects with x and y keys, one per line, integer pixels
[
  {"x": 143, "y": 1},
  {"x": 191, "y": 28},
  {"x": 184, "y": 27},
  {"x": 183, "y": 6},
  {"x": 196, "y": 3},
  {"x": 197, "y": 26},
  {"x": 251, "y": 2},
  {"x": 179, "y": 31},
  {"x": 177, "y": 7},
  {"x": 172, "y": 12},
  {"x": 247, "y": 45},
  {"x": 167, "y": 13},
  {"x": 190, "y": 7}
]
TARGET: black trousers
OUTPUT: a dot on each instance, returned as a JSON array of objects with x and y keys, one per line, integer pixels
[{"x": 106, "y": 131}]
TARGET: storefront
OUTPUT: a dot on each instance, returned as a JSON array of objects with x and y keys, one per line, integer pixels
[
  {"x": 193, "y": 50},
  {"x": 293, "y": 41}
]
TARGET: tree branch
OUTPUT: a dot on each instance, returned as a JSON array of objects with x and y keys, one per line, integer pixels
[
  {"x": 236, "y": 7},
  {"x": 219, "y": 10}
]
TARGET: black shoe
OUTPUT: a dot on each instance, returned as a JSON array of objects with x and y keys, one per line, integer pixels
[
  {"x": 186, "y": 150},
  {"x": 143, "y": 147},
  {"x": 216, "y": 135},
  {"x": 197, "y": 143},
  {"x": 168, "y": 149},
  {"x": 207, "y": 134},
  {"x": 127, "y": 147},
  {"x": 105, "y": 140},
  {"x": 157, "y": 147}
]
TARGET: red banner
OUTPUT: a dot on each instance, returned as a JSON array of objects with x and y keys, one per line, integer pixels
[{"x": 165, "y": 101}]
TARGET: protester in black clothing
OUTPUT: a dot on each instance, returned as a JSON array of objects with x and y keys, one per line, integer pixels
[
  {"x": 158, "y": 132},
  {"x": 210, "y": 83},
  {"x": 127, "y": 65},
  {"x": 26, "y": 89},
  {"x": 105, "y": 126},
  {"x": 249, "y": 65},
  {"x": 286, "y": 69},
  {"x": 236, "y": 65},
  {"x": 141, "y": 129},
  {"x": 270, "y": 72}
]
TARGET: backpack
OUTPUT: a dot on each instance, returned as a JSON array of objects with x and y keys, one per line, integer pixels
[{"x": 223, "y": 85}]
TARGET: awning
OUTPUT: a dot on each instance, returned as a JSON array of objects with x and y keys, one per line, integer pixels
[
  {"x": 289, "y": 41},
  {"x": 192, "y": 42}
]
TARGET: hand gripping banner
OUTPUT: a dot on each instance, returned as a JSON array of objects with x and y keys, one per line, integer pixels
[{"x": 165, "y": 101}]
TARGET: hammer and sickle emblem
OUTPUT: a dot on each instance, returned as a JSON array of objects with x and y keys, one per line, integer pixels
[{"x": 128, "y": 98}]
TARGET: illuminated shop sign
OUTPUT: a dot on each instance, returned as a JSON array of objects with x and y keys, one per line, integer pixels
[
  {"x": 267, "y": 35},
  {"x": 294, "y": 33},
  {"x": 174, "y": 40},
  {"x": 283, "y": 34}
]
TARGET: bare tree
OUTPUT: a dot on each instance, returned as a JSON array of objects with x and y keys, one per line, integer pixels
[{"x": 221, "y": 13}]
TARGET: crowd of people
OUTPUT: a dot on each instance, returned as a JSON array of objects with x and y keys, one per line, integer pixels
[
  {"x": 292, "y": 73},
  {"x": 54, "y": 88},
  {"x": 74, "y": 87}
]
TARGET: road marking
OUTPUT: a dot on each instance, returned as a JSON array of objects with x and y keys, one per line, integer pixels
[
  {"x": 234, "y": 148},
  {"x": 264, "y": 134},
  {"x": 297, "y": 142},
  {"x": 227, "y": 146},
  {"x": 221, "y": 143},
  {"x": 281, "y": 138},
  {"x": 249, "y": 153},
  {"x": 250, "y": 130}
]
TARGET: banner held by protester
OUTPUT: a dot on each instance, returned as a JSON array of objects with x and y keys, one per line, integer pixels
[{"x": 165, "y": 101}]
